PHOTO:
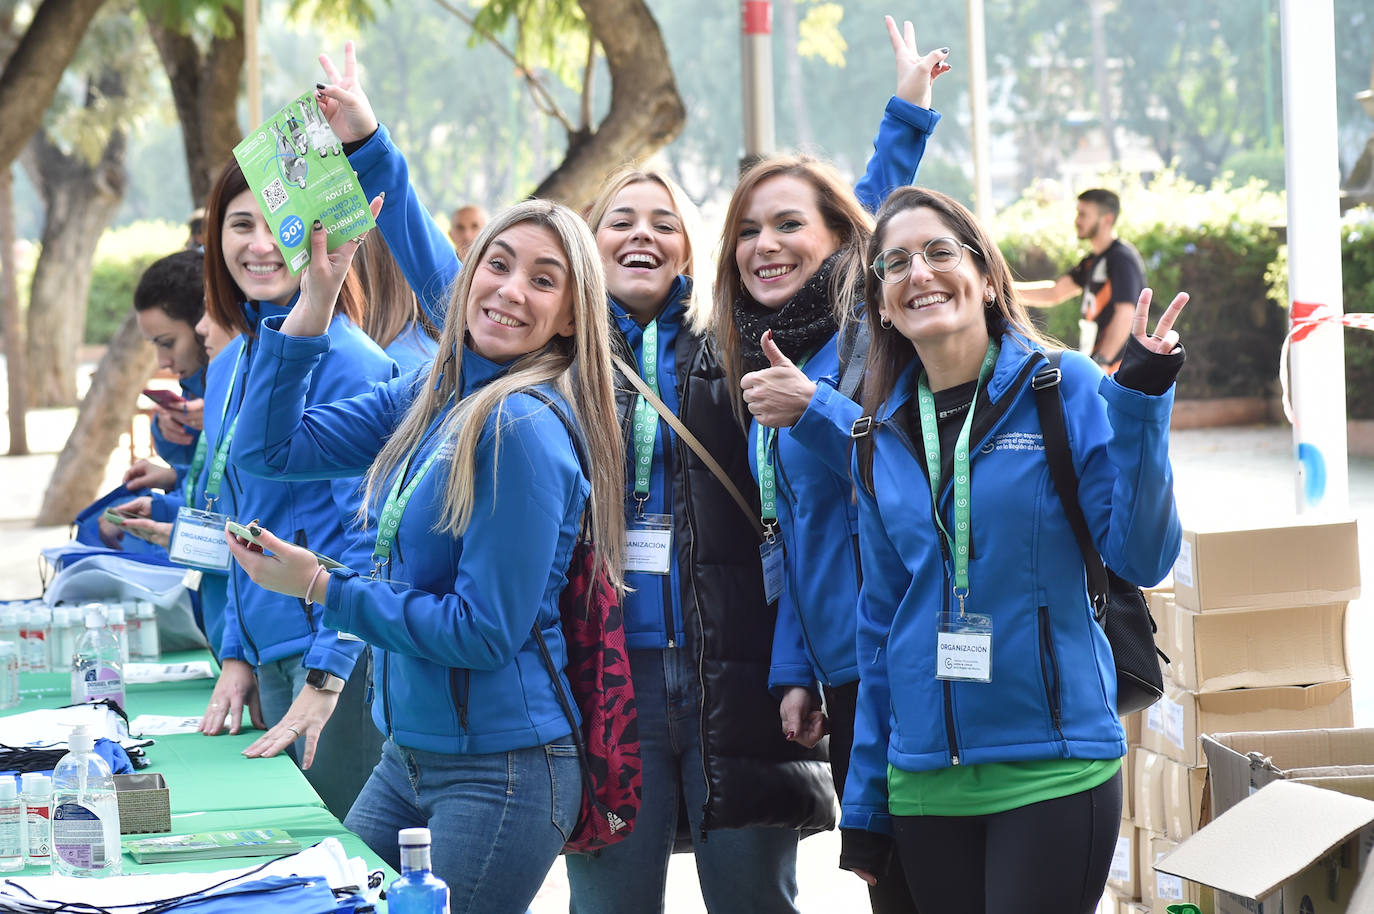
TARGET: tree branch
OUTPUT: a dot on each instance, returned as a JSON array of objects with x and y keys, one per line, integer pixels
[
  {"x": 588, "y": 84},
  {"x": 538, "y": 91}
]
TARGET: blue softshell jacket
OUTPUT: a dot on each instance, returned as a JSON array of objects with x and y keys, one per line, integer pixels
[
  {"x": 178, "y": 456},
  {"x": 1053, "y": 688},
  {"x": 261, "y": 626},
  {"x": 450, "y": 617},
  {"x": 214, "y": 588},
  {"x": 813, "y": 640}
]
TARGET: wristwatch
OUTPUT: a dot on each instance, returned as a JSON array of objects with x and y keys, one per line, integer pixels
[{"x": 323, "y": 681}]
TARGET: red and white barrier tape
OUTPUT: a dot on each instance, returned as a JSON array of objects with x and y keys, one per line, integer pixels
[{"x": 1305, "y": 318}]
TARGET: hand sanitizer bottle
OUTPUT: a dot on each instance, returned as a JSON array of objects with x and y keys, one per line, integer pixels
[
  {"x": 85, "y": 817},
  {"x": 418, "y": 891},
  {"x": 97, "y": 671}
]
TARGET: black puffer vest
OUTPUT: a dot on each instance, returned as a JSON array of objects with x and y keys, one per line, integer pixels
[{"x": 754, "y": 777}]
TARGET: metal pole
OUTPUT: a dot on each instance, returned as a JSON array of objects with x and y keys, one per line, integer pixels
[
  {"x": 756, "y": 66},
  {"x": 978, "y": 105},
  {"x": 1317, "y": 360},
  {"x": 250, "y": 57}
]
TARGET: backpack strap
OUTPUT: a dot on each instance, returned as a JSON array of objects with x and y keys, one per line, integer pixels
[
  {"x": 1050, "y": 406},
  {"x": 853, "y": 353}
]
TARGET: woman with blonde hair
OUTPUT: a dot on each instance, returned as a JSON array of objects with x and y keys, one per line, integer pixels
[{"x": 476, "y": 497}]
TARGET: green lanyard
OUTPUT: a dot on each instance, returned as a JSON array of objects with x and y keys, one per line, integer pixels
[
  {"x": 389, "y": 521},
  {"x": 193, "y": 471},
  {"x": 225, "y": 436},
  {"x": 930, "y": 433},
  {"x": 646, "y": 419},
  {"x": 768, "y": 474}
]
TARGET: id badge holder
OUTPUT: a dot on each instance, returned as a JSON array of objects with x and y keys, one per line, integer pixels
[
  {"x": 649, "y": 543},
  {"x": 771, "y": 554},
  {"x": 198, "y": 541},
  {"x": 963, "y": 647}
]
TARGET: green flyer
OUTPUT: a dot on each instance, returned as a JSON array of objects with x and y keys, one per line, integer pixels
[{"x": 296, "y": 168}]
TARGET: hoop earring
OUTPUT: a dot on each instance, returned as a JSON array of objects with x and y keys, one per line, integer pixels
[{"x": 885, "y": 322}]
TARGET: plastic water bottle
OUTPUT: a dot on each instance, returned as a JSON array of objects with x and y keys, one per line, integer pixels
[
  {"x": 36, "y": 632},
  {"x": 9, "y": 675},
  {"x": 37, "y": 798},
  {"x": 97, "y": 671},
  {"x": 418, "y": 890},
  {"x": 9, "y": 624},
  {"x": 115, "y": 622},
  {"x": 146, "y": 648},
  {"x": 11, "y": 826},
  {"x": 85, "y": 812}
]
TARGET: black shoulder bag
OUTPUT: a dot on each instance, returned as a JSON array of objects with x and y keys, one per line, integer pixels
[{"x": 1119, "y": 605}]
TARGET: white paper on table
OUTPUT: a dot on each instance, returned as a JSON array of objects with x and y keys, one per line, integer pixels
[
  {"x": 163, "y": 725},
  {"x": 52, "y": 726},
  {"x": 166, "y": 672},
  {"x": 134, "y": 894}
]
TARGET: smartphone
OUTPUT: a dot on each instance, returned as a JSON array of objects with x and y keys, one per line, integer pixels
[
  {"x": 117, "y": 517},
  {"x": 251, "y": 531},
  {"x": 163, "y": 397}
]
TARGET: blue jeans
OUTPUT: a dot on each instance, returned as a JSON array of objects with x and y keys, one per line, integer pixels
[
  {"x": 497, "y": 821},
  {"x": 749, "y": 870},
  {"x": 349, "y": 744}
]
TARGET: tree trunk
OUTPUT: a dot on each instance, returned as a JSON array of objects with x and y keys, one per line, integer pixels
[
  {"x": 646, "y": 110},
  {"x": 13, "y": 326},
  {"x": 32, "y": 72},
  {"x": 80, "y": 200},
  {"x": 205, "y": 88},
  {"x": 104, "y": 415},
  {"x": 1102, "y": 80}
]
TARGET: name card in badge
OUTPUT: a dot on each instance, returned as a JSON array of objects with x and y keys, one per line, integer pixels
[
  {"x": 963, "y": 648},
  {"x": 649, "y": 544},
  {"x": 770, "y": 553},
  {"x": 198, "y": 541}
]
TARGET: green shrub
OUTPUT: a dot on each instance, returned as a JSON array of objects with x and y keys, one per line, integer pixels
[
  {"x": 1215, "y": 243},
  {"x": 120, "y": 259}
]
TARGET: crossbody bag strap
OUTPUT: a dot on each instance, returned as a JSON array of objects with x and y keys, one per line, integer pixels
[
  {"x": 1050, "y": 405},
  {"x": 853, "y": 354},
  {"x": 691, "y": 440}
]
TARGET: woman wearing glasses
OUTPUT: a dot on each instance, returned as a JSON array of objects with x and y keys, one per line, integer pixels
[
  {"x": 986, "y": 741},
  {"x": 797, "y": 233}
]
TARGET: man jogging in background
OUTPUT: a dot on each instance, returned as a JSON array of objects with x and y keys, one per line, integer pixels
[{"x": 1109, "y": 279}]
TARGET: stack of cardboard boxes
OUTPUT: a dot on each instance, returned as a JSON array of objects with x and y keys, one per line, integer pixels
[{"x": 1255, "y": 631}]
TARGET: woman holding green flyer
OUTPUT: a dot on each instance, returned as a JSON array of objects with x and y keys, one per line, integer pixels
[{"x": 278, "y": 659}]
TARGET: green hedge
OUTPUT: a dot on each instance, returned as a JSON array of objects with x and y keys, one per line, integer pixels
[
  {"x": 1216, "y": 244},
  {"x": 120, "y": 259}
]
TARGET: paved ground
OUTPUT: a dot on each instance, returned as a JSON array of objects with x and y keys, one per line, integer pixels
[{"x": 1221, "y": 474}]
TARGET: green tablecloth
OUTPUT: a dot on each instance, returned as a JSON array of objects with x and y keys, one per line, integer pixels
[{"x": 211, "y": 785}]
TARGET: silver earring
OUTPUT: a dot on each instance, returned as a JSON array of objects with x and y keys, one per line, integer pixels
[{"x": 885, "y": 322}]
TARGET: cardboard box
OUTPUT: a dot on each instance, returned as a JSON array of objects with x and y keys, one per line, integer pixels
[
  {"x": 145, "y": 805},
  {"x": 1283, "y": 850},
  {"x": 1296, "y": 562},
  {"x": 1174, "y": 723},
  {"x": 1185, "y": 790},
  {"x": 1147, "y": 785},
  {"x": 1158, "y": 889},
  {"x": 1291, "y": 645},
  {"x": 1132, "y": 723},
  {"x": 1241, "y": 763},
  {"x": 1124, "y": 876}
]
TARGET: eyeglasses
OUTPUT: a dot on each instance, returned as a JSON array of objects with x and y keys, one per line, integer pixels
[{"x": 941, "y": 255}]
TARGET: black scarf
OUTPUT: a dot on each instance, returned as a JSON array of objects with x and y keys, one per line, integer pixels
[{"x": 799, "y": 327}]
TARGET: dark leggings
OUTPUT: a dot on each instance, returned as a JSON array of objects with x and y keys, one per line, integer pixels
[
  {"x": 890, "y": 895},
  {"x": 1049, "y": 857}
]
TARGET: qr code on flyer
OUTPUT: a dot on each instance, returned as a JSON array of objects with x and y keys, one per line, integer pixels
[{"x": 274, "y": 196}]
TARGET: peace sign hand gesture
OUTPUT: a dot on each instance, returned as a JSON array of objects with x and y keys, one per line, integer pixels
[
  {"x": 1165, "y": 338},
  {"x": 915, "y": 71},
  {"x": 343, "y": 101}
]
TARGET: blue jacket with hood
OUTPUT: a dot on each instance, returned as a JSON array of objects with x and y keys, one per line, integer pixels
[
  {"x": 814, "y": 636},
  {"x": 450, "y": 619},
  {"x": 261, "y": 626},
  {"x": 1053, "y": 688}
]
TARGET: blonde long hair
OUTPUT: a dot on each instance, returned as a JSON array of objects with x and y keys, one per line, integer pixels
[
  {"x": 577, "y": 367},
  {"x": 698, "y": 305}
]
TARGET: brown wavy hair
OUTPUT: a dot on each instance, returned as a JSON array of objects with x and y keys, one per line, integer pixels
[{"x": 223, "y": 297}]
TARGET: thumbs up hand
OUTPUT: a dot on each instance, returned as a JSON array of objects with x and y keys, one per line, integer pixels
[{"x": 779, "y": 394}]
